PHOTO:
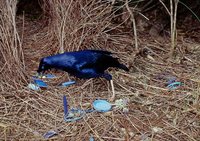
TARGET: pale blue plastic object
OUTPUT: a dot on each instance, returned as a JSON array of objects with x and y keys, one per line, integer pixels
[
  {"x": 174, "y": 85},
  {"x": 40, "y": 83},
  {"x": 68, "y": 83},
  {"x": 91, "y": 138},
  {"x": 102, "y": 105}
]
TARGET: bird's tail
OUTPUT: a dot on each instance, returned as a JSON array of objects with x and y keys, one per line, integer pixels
[
  {"x": 115, "y": 63},
  {"x": 106, "y": 61},
  {"x": 122, "y": 66}
]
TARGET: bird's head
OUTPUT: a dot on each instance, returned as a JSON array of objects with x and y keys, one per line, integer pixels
[{"x": 43, "y": 66}]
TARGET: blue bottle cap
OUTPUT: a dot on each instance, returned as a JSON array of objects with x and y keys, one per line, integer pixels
[{"x": 102, "y": 105}]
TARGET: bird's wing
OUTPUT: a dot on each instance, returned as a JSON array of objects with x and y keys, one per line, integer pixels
[
  {"x": 102, "y": 60},
  {"x": 98, "y": 60}
]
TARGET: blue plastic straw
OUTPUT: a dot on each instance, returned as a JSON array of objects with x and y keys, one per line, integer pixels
[{"x": 68, "y": 83}]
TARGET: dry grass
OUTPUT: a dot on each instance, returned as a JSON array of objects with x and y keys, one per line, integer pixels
[{"x": 155, "y": 113}]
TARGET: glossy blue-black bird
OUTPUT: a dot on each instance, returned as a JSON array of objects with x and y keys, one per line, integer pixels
[{"x": 82, "y": 64}]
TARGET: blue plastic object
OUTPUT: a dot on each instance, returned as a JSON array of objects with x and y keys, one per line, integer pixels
[
  {"x": 65, "y": 105},
  {"x": 174, "y": 85},
  {"x": 40, "y": 83},
  {"x": 49, "y": 134},
  {"x": 102, "y": 105},
  {"x": 91, "y": 138},
  {"x": 50, "y": 76},
  {"x": 68, "y": 83}
]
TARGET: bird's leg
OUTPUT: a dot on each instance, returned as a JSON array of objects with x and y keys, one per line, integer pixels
[
  {"x": 109, "y": 77},
  {"x": 113, "y": 91}
]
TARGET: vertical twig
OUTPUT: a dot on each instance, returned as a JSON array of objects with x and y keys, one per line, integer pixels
[
  {"x": 62, "y": 10},
  {"x": 134, "y": 25},
  {"x": 173, "y": 15}
]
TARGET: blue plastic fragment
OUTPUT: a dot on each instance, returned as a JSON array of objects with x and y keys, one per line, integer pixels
[
  {"x": 174, "y": 85},
  {"x": 102, "y": 105},
  {"x": 65, "y": 105},
  {"x": 68, "y": 83},
  {"x": 49, "y": 134},
  {"x": 40, "y": 83},
  {"x": 91, "y": 138},
  {"x": 50, "y": 76}
]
